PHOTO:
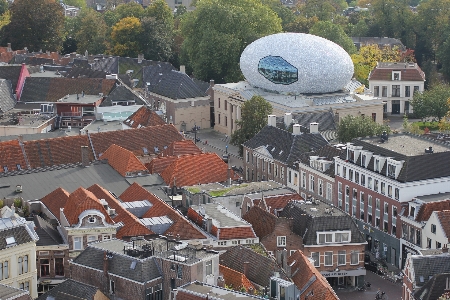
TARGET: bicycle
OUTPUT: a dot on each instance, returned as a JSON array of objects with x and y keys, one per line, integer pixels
[{"x": 381, "y": 296}]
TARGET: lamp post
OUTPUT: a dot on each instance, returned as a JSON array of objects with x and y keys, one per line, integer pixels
[
  {"x": 226, "y": 149},
  {"x": 195, "y": 133}
]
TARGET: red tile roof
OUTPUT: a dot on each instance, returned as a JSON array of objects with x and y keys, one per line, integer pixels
[
  {"x": 181, "y": 148},
  {"x": 427, "y": 209},
  {"x": 303, "y": 271},
  {"x": 262, "y": 221},
  {"x": 137, "y": 139},
  {"x": 81, "y": 200},
  {"x": 444, "y": 218},
  {"x": 159, "y": 164},
  {"x": 144, "y": 117},
  {"x": 56, "y": 200},
  {"x": 11, "y": 155},
  {"x": 180, "y": 225},
  {"x": 243, "y": 232},
  {"x": 132, "y": 225},
  {"x": 123, "y": 160},
  {"x": 195, "y": 169},
  {"x": 277, "y": 202},
  {"x": 407, "y": 74},
  {"x": 235, "y": 280}
]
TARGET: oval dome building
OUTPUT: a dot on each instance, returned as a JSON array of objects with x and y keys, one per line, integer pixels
[{"x": 296, "y": 63}]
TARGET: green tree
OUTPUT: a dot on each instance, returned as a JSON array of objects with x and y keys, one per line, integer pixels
[
  {"x": 3, "y": 6},
  {"x": 285, "y": 14},
  {"x": 179, "y": 11},
  {"x": 111, "y": 18},
  {"x": 301, "y": 24},
  {"x": 432, "y": 102},
  {"x": 334, "y": 33},
  {"x": 325, "y": 10},
  {"x": 254, "y": 114},
  {"x": 91, "y": 32},
  {"x": 351, "y": 127},
  {"x": 125, "y": 37},
  {"x": 76, "y": 3},
  {"x": 131, "y": 9},
  {"x": 35, "y": 24},
  {"x": 216, "y": 33}
]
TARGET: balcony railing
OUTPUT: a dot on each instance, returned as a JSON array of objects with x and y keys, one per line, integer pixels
[{"x": 71, "y": 114}]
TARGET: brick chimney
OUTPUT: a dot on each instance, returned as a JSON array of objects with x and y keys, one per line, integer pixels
[
  {"x": 8, "y": 49},
  {"x": 140, "y": 58},
  {"x": 85, "y": 156},
  {"x": 445, "y": 249},
  {"x": 246, "y": 264},
  {"x": 220, "y": 281},
  {"x": 105, "y": 263}
]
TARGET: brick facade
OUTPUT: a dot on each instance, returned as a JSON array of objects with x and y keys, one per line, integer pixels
[
  {"x": 257, "y": 169},
  {"x": 283, "y": 228},
  {"x": 53, "y": 259}
]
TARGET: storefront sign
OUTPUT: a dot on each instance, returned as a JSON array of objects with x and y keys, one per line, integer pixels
[
  {"x": 410, "y": 245},
  {"x": 358, "y": 272}
]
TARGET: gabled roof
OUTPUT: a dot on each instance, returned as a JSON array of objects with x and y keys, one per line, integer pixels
[
  {"x": 158, "y": 164},
  {"x": 81, "y": 200},
  {"x": 434, "y": 288},
  {"x": 409, "y": 72},
  {"x": 145, "y": 269},
  {"x": 283, "y": 146},
  {"x": 11, "y": 155},
  {"x": 263, "y": 222},
  {"x": 181, "y": 148},
  {"x": 181, "y": 226},
  {"x": 197, "y": 169},
  {"x": 326, "y": 120},
  {"x": 77, "y": 72},
  {"x": 51, "y": 89},
  {"x": 234, "y": 279},
  {"x": 144, "y": 117},
  {"x": 11, "y": 73},
  {"x": 19, "y": 233},
  {"x": 307, "y": 278},
  {"x": 260, "y": 268},
  {"x": 426, "y": 209},
  {"x": 7, "y": 100},
  {"x": 47, "y": 234},
  {"x": 427, "y": 266},
  {"x": 71, "y": 289},
  {"x": 444, "y": 218},
  {"x": 274, "y": 203},
  {"x": 56, "y": 200},
  {"x": 174, "y": 85},
  {"x": 123, "y": 160},
  {"x": 11, "y": 293},
  {"x": 132, "y": 225},
  {"x": 121, "y": 93}
]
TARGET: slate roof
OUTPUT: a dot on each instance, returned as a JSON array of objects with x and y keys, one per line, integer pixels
[
  {"x": 144, "y": 271},
  {"x": 70, "y": 289},
  {"x": 77, "y": 72},
  {"x": 47, "y": 234},
  {"x": 434, "y": 288},
  {"x": 106, "y": 64},
  {"x": 159, "y": 208},
  {"x": 383, "y": 71},
  {"x": 123, "y": 160},
  {"x": 283, "y": 146},
  {"x": 121, "y": 93},
  {"x": 260, "y": 268},
  {"x": 144, "y": 117},
  {"x": 303, "y": 272},
  {"x": 202, "y": 85},
  {"x": 234, "y": 279},
  {"x": 151, "y": 74},
  {"x": 426, "y": 209},
  {"x": 11, "y": 73},
  {"x": 427, "y": 266},
  {"x": 7, "y": 100},
  {"x": 263, "y": 222},
  {"x": 10, "y": 293},
  {"x": 326, "y": 120},
  {"x": 307, "y": 222},
  {"x": 193, "y": 169},
  {"x": 415, "y": 168},
  {"x": 327, "y": 151},
  {"x": 174, "y": 85},
  {"x": 20, "y": 234},
  {"x": 132, "y": 225},
  {"x": 51, "y": 89}
]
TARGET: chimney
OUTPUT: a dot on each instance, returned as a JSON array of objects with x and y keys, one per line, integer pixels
[
  {"x": 220, "y": 282},
  {"x": 86, "y": 54},
  {"x": 8, "y": 49},
  {"x": 211, "y": 83},
  {"x": 229, "y": 176},
  {"x": 284, "y": 258},
  {"x": 296, "y": 129},
  {"x": 183, "y": 69},
  {"x": 445, "y": 249},
  {"x": 314, "y": 127},
  {"x": 48, "y": 52},
  {"x": 105, "y": 263},
  {"x": 287, "y": 119},
  {"x": 209, "y": 225},
  {"x": 246, "y": 263},
  {"x": 279, "y": 257},
  {"x": 272, "y": 120},
  {"x": 140, "y": 58},
  {"x": 20, "y": 138},
  {"x": 73, "y": 55},
  {"x": 85, "y": 156}
]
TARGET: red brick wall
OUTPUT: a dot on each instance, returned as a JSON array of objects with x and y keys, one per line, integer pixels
[
  {"x": 348, "y": 248},
  {"x": 283, "y": 227},
  {"x": 51, "y": 257},
  {"x": 315, "y": 193}
]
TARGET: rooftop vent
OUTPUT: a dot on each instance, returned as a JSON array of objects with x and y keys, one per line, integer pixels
[{"x": 429, "y": 150}]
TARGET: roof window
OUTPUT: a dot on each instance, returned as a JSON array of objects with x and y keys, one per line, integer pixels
[{"x": 10, "y": 241}]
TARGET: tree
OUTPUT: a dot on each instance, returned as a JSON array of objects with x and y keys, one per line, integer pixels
[
  {"x": 285, "y": 14},
  {"x": 131, "y": 9},
  {"x": 125, "y": 37},
  {"x": 301, "y": 24},
  {"x": 91, "y": 32},
  {"x": 76, "y": 3},
  {"x": 216, "y": 33},
  {"x": 35, "y": 24},
  {"x": 334, "y": 33},
  {"x": 351, "y": 127},
  {"x": 325, "y": 10},
  {"x": 432, "y": 102},
  {"x": 3, "y": 6},
  {"x": 254, "y": 114}
]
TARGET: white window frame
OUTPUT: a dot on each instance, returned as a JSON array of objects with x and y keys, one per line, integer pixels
[
  {"x": 90, "y": 240},
  {"x": 327, "y": 254},
  {"x": 340, "y": 255},
  {"x": 208, "y": 268},
  {"x": 75, "y": 238},
  {"x": 281, "y": 241},
  {"x": 352, "y": 255},
  {"x": 320, "y": 186},
  {"x": 311, "y": 183},
  {"x": 329, "y": 191},
  {"x": 316, "y": 263}
]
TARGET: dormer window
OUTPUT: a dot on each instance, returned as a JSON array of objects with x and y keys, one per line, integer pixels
[
  {"x": 412, "y": 211},
  {"x": 351, "y": 155},
  {"x": 391, "y": 171},
  {"x": 91, "y": 220},
  {"x": 377, "y": 165},
  {"x": 396, "y": 75},
  {"x": 363, "y": 160}
]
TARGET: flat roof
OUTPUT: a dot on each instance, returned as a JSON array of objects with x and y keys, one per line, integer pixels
[
  {"x": 408, "y": 145},
  {"x": 319, "y": 209},
  {"x": 101, "y": 126},
  {"x": 14, "y": 119},
  {"x": 219, "y": 190},
  {"x": 215, "y": 291},
  {"x": 221, "y": 217},
  {"x": 79, "y": 98},
  {"x": 434, "y": 197}
]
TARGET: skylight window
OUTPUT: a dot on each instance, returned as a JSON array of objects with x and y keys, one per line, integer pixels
[
  {"x": 133, "y": 265},
  {"x": 10, "y": 241}
]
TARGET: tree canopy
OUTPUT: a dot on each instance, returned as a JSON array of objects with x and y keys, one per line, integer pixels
[
  {"x": 90, "y": 32},
  {"x": 216, "y": 33},
  {"x": 334, "y": 33},
  {"x": 432, "y": 103},
  {"x": 254, "y": 114},
  {"x": 351, "y": 127}
]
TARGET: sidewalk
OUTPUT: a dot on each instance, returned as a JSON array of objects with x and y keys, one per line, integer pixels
[{"x": 215, "y": 140}]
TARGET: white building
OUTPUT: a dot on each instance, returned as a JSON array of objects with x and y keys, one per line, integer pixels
[{"x": 395, "y": 83}]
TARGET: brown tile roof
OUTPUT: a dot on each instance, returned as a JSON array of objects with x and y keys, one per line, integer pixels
[
  {"x": 137, "y": 139},
  {"x": 303, "y": 271},
  {"x": 159, "y": 164},
  {"x": 276, "y": 202},
  {"x": 56, "y": 200},
  {"x": 234, "y": 279},
  {"x": 56, "y": 151},
  {"x": 427, "y": 209},
  {"x": 444, "y": 218},
  {"x": 123, "y": 160},
  {"x": 132, "y": 225},
  {"x": 243, "y": 232},
  {"x": 144, "y": 117},
  {"x": 180, "y": 225},
  {"x": 181, "y": 148},
  {"x": 262, "y": 221},
  {"x": 81, "y": 200},
  {"x": 407, "y": 74},
  {"x": 195, "y": 169},
  {"x": 11, "y": 155},
  {"x": 60, "y": 87}
]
